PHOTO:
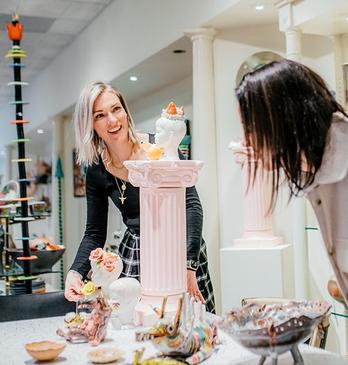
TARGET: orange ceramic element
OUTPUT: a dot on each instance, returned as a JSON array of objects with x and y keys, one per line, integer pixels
[
  {"x": 26, "y": 198},
  {"x": 171, "y": 109},
  {"x": 19, "y": 121},
  {"x": 155, "y": 153},
  {"x": 15, "y": 30},
  {"x": 45, "y": 350},
  {"x": 27, "y": 258}
]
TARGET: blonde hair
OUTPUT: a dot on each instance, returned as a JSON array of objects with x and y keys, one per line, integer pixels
[{"x": 88, "y": 144}]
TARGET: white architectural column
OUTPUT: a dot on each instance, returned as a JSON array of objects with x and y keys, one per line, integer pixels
[
  {"x": 338, "y": 42},
  {"x": 294, "y": 52},
  {"x": 204, "y": 143},
  {"x": 293, "y": 44}
]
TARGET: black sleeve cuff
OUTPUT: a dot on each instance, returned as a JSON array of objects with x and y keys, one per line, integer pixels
[{"x": 192, "y": 265}]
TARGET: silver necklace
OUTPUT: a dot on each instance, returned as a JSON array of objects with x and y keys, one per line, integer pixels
[{"x": 122, "y": 190}]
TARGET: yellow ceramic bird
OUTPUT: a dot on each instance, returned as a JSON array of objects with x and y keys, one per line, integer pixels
[{"x": 153, "y": 152}]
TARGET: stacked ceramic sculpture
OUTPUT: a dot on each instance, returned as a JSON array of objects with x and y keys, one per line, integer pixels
[
  {"x": 16, "y": 54},
  {"x": 162, "y": 185}
]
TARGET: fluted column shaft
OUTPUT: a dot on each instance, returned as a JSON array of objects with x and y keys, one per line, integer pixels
[
  {"x": 257, "y": 194},
  {"x": 293, "y": 38},
  {"x": 163, "y": 241},
  {"x": 204, "y": 142}
]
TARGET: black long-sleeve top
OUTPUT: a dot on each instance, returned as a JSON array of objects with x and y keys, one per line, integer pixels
[{"x": 100, "y": 185}]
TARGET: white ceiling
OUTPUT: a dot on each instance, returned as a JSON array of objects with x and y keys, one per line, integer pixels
[
  {"x": 49, "y": 26},
  {"x": 244, "y": 14}
]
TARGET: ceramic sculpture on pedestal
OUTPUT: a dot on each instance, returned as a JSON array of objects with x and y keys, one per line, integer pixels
[
  {"x": 163, "y": 186},
  {"x": 170, "y": 130},
  {"x": 257, "y": 193}
]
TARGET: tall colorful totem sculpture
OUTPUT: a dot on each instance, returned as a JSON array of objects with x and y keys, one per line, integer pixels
[{"x": 16, "y": 54}]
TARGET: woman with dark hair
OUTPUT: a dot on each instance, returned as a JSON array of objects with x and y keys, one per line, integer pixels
[{"x": 294, "y": 124}]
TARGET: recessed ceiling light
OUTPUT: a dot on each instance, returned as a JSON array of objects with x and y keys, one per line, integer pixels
[
  {"x": 133, "y": 78},
  {"x": 259, "y": 7},
  {"x": 347, "y": 19},
  {"x": 40, "y": 131},
  {"x": 178, "y": 51}
]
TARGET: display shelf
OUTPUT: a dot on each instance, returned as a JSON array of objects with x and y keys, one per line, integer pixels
[
  {"x": 22, "y": 213},
  {"x": 34, "y": 276},
  {"x": 18, "y": 219},
  {"x": 311, "y": 228}
]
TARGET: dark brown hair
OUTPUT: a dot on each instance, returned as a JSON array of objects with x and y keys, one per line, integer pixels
[{"x": 286, "y": 111}]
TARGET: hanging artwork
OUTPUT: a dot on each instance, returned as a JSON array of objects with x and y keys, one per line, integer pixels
[{"x": 79, "y": 176}]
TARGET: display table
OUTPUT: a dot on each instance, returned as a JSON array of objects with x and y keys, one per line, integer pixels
[{"x": 15, "y": 334}]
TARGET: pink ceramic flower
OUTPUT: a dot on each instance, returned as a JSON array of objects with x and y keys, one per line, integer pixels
[
  {"x": 96, "y": 255},
  {"x": 109, "y": 263}
]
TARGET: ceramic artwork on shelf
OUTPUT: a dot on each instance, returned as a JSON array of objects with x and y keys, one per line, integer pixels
[{"x": 170, "y": 130}]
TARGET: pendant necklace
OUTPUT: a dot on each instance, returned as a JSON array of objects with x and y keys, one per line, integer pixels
[{"x": 121, "y": 189}]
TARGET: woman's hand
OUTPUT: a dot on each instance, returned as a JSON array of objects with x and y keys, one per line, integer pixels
[
  {"x": 73, "y": 285},
  {"x": 192, "y": 287}
]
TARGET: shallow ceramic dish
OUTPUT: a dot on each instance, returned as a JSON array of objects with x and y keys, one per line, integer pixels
[
  {"x": 45, "y": 350},
  {"x": 105, "y": 355}
]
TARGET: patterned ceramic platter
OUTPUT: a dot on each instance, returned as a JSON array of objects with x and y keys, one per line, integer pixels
[{"x": 274, "y": 326}]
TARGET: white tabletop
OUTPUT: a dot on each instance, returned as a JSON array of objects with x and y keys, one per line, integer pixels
[{"x": 14, "y": 335}]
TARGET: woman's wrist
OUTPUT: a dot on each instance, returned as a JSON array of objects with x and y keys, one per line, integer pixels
[{"x": 76, "y": 273}]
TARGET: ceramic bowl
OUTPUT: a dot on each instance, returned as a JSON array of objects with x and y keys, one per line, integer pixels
[{"x": 45, "y": 350}]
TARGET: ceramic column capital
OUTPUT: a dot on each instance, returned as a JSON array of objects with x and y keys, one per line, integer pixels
[
  {"x": 201, "y": 33},
  {"x": 163, "y": 174}
]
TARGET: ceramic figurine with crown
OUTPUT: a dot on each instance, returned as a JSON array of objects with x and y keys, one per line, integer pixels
[{"x": 170, "y": 130}]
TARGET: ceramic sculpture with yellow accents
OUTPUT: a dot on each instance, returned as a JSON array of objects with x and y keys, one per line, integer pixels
[{"x": 170, "y": 130}]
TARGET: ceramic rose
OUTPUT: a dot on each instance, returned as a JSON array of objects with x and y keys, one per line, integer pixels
[
  {"x": 106, "y": 268},
  {"x": 96, "y": 255},
  {"x": 170, "y": 130}
]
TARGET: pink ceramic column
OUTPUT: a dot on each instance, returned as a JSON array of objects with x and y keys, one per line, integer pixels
[
  {"x": 163, "y": 241},
  {"x": 256, "y": 202},
  {"x": 162, "y": 231}
]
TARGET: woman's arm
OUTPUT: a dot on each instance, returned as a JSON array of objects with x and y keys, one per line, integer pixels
[
  {"x": 194, "y": 223},
  {"x": 96, "y": 225}
]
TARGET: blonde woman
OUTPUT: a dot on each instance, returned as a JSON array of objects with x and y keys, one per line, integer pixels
[{"x": 105, "y": 138}]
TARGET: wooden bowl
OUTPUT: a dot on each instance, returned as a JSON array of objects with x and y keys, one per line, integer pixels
[{"x": 44, "y": 350}]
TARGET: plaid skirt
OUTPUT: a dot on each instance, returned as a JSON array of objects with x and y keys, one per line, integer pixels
[{"x": 129, "y": 251}]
